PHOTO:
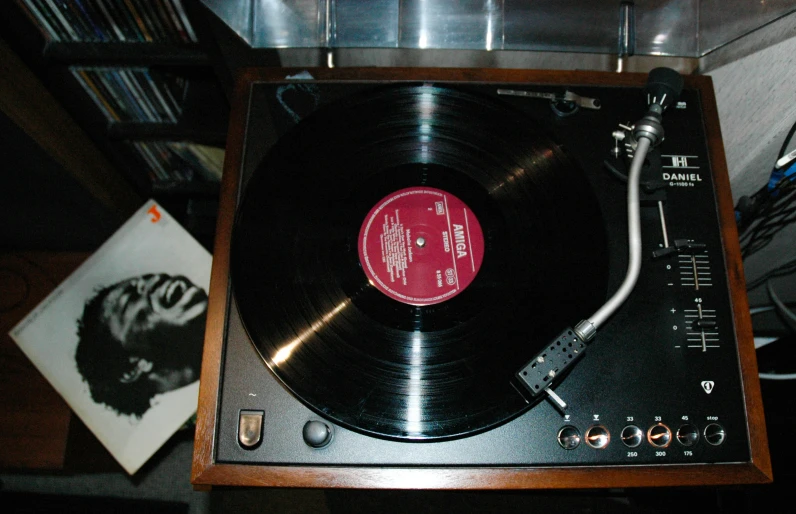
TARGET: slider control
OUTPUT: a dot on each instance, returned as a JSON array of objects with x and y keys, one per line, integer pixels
[
  {"x": 679, "y": 246},
  {"x": 706, "y": 323}
]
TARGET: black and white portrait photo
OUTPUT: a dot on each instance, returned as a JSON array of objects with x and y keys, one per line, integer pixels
[
  {"x": 141, "y": 337},
  {"x": 121, "y": 339}
]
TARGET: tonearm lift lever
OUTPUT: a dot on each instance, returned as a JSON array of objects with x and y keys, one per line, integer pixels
[{"x": 563, "y": 104}]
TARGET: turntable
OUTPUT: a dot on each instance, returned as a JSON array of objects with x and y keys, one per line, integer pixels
[{"x": 403, "y": 261}]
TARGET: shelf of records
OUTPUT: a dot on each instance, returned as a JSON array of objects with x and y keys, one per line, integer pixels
[
  {"x": 108, "y": 21},
  {"x": 179, "y": 164},
  {"x": 133, "y": 94}
]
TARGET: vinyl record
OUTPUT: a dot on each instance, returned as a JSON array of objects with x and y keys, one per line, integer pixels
[{"x": 399, "y": 255}]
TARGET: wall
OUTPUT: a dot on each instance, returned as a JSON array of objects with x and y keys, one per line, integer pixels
[{"x": 756, "y": 96}]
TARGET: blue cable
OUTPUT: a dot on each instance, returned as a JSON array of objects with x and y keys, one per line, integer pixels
[{"x": 777, "y": 175}]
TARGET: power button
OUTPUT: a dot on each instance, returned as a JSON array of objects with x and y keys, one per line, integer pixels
[{"x": 250, "y": 428}]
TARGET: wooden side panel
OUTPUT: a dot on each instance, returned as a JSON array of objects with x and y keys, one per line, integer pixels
[
  {"x": 219, "y": 283},
  {"x": 740, "y": 303}
]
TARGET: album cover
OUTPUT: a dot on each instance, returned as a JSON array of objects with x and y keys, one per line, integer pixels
[{"x": 121, "y": 338}]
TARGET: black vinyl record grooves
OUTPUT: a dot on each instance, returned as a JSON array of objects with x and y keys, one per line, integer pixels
[{"x": 385, "y": 367}]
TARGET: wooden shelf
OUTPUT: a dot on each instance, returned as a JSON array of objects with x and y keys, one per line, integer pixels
[
  {"x": 205, "y": 107},
  {"x": 204, "y": 119},
  {"x": 128, "y": 54}
]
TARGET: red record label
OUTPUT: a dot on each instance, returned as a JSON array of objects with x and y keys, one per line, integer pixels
[{"x": 421, "y": 246}]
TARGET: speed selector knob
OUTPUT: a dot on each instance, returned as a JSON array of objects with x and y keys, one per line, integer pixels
[
  {"x": 632, "y": 436},
  {"x": 715, "y": 434},
  {"x": 688, "y": 435},
  {"x": 659, "y": 435}
]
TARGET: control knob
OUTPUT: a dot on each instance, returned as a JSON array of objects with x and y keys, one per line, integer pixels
[{"x": 715, "y": 434}]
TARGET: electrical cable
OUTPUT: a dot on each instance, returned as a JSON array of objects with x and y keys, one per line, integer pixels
[
  {"x": 788, "y": 316},
  {"x": 778, "y": 376},
  {"x": 768, "y": 210},
  {"x": 764, "y": 341},
  {"x": 760, "y": 342},
  {"x": 777, "y": 215},
  {"x": 784, "y": 146},
  {"x": 782, "y": 270}
]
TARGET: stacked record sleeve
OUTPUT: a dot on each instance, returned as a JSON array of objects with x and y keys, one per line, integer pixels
[
  {"x": 179, "y": 162},
  {"x": 101, "y": 21},
  {"x": 135, "y": 94}
]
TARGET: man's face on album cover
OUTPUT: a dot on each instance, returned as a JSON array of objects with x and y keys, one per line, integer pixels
[
  {"x": 154, "y": 324},
  {"x": 159, "y": 320},
  {"x": 137, "y": 306}
]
